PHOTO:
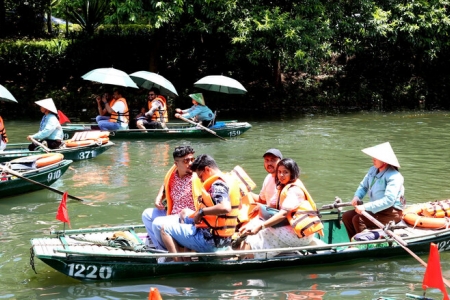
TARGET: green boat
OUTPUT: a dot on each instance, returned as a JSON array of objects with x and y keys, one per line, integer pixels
[
  {"x": 226, "y": 129},
  {"x": 73, "y": 153},
  {"x": 11, "y": 185},
  {"x": 92, "y": 254}
]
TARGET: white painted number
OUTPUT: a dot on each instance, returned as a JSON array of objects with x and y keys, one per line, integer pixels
[
  {"x": 234, "y": 133},
  {"x": 443, "y": 246},
  {"x": 86, "y": 154},
  {"x": 53, "y": 175},
  {"x": 66, "y": 136},
  {"x": 89, "y": 272}
]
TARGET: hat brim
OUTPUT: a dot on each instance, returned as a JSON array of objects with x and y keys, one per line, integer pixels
[{"x": 383, "y": 152}]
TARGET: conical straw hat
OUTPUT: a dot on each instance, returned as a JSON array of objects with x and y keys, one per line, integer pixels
[
  {"x": 198, "y": 97},
  {"x": 47, "y": 104},
  {"x": 384, "y": 153}
]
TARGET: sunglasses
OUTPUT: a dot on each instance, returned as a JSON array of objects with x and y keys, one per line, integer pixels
[
  {"x": 187, "y": 160},
  {"x": 150, "y": 95}
]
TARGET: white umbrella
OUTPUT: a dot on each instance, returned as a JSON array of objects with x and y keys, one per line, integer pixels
[
  {"x": 220, "y": 83},
  {"x": 5, "y": 95},
  {"x": 110, "y": 76},
  {"x": 148, "y": 80}
]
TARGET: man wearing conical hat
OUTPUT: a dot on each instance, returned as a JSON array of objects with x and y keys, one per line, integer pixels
[
  {"x": 50, "y": 130},
  {"x": 199, "y": 112},
  {"x": 383, "y": 184}
]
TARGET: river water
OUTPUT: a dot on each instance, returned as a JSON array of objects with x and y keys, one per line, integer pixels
[{"x": 124, "y": 181}]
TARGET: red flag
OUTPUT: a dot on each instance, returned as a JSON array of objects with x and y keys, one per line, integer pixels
[
  {"x": 62, "y": 118},
  {"x": 62, "y": 214},
  {"x": 433, "y": 273},
  {"x": 154, "y": 294}
]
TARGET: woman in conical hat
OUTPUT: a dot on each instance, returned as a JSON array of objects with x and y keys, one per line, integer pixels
[
  {"x": 50, "y": 129},
  {"x": 383, "y": 184},
  {"x": 199, "y": 111}
]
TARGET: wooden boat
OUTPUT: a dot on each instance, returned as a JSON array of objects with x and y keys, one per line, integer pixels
[
  {"x": 43, "y": 169},
  {"x": 82, "y": 152},
  {"x": 225, "y": 129},
  {"x": 92, "y": 254}
]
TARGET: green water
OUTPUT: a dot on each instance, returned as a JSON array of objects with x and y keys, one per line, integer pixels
[{"x": 123, "y": 181}]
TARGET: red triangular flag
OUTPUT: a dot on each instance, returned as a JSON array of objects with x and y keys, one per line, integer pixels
[
  {"x": 154, "y": 294},
  {"x": 62, "y": 213},
  {"x": 433, "y": 273},
  {"x": 62, "y": 118}
]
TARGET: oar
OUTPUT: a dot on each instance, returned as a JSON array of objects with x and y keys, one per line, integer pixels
[
  {"x": 17, "y": 174},
  {"x": 46, "y": 149},
  {"x": 202, "y": 127},
  {"x": 399, "y": 240}
]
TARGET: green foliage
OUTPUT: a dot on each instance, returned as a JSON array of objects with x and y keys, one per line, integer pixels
[{"x": 90, "y": 15}]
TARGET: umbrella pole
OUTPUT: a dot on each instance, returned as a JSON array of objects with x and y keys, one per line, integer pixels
[{"x": 202, "y": 127}]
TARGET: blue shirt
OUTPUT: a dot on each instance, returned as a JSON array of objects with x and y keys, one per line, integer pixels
[
  {"x": 385, "y": 189},
  {"x": 50, "y": 129},
  {"x": 202, "y": 112}
]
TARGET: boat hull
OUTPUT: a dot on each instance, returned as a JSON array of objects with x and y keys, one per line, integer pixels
[
  {"x": 91, "y": 264},
  {"x": 45, "y": 175},
  {"x": 229, "y": 130},
  {"x": 13, "y": 151}
]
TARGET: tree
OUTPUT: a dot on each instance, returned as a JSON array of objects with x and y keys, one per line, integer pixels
[{"x": 89, "y": 15}]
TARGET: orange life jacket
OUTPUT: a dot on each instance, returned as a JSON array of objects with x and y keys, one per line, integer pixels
[
  {"x": 3, "y": 131},
  {"x": 305, "y": 218},
  {"x": 167, "y": 178},
  {"x": 115, "y": 115},
  {"x": 157, "y": 114},
  {"x": 222, "y": 225}
]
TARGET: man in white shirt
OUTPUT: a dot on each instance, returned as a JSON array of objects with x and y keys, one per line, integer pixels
[{"x": 268, "y": 192}]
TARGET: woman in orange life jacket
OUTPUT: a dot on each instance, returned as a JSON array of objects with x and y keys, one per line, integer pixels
[
  {"x": 291, "y": 194},
  {"x": 117, "y": 109},
  {"x": 3, "y": 136}
]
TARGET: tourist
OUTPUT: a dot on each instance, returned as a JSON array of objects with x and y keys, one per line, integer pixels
[
  {"x": 214, "y": 222},
  {"x": 156, "y": 117},
  {"x": 117, "y": 109},
  {"x": 50, "y": 129},
  {"x": 3, "y": 136},
  {"x": 292, "y": 199},
  {"x": 383, "y": 184},
  {"x": 176, "y": 190}
]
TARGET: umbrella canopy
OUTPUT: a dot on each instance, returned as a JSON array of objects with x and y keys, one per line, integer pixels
[
  {"x": 148, "y": 80},
  {"x": 5, "y": 95},
  {"x": 222, "y": 84},
  {"x": 110, "y": 76}
]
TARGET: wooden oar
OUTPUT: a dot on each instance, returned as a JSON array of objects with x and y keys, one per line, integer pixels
[
  {"x": 399, "y": 240},
  {"x": 202, "y": 127},
  {"x": 46, "y": 149},
  {"x": 17, "y": 174}
]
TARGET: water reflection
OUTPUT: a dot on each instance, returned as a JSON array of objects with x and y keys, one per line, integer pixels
[{"x": 124, "y": 180}]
